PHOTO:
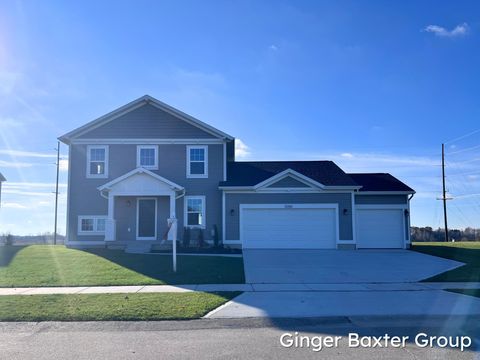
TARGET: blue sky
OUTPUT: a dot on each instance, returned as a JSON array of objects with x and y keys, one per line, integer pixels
[{"x": 375, "y": 86}]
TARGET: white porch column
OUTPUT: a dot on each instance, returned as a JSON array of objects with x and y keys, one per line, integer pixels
[
  {"x": 172, "y": 206},
  {"x": 110, "y": 226}
]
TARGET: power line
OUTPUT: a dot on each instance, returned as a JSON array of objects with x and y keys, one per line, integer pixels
[
  {"x": 462, "y": 137},
  {"x": 464, "y": 150}
]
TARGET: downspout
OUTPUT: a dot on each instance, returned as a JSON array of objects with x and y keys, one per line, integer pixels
[{"x": 181, "y": 195}]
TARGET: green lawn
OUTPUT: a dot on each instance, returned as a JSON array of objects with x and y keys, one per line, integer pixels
[
  {"x": 466, "y": 252},
  {"x": 43, "y": 265},
  {"x": 98, "y": 307}
]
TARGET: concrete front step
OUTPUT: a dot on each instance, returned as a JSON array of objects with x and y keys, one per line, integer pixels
[{"x": 138, "y": 248}]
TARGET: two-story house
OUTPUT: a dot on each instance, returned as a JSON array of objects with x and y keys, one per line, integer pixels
[{"x": 135, "y": 167}]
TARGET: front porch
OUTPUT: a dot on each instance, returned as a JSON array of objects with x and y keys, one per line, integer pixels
[{"x": 142, "y": 209}]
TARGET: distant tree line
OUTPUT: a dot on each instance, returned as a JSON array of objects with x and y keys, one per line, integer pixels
[{"x": 429, "y": 234}]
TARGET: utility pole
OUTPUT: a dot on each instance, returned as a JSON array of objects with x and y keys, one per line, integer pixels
[
  {"x": 444, "y": 193},
  {"x": 56, "y": 194}
]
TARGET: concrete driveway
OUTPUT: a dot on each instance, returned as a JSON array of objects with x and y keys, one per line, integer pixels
[{"x": 341, "y": 266}]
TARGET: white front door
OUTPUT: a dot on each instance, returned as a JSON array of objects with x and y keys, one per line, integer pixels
[
  {"x": 380, "y": 228},
  {"x": 146, "y": 219},
  {"x": 302, "y": 226}
]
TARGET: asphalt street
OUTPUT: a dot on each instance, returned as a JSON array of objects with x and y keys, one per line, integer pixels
[{"x": 239, "y": 339}]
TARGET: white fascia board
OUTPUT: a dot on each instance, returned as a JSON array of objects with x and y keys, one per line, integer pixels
[
  {"x": 286, "y": 173},
  {"x": 146, "y": 141},
  {"x": 385, "y": 192},
  {"x": 108, "y": 185},
  {"x": 146, "y": 99}
]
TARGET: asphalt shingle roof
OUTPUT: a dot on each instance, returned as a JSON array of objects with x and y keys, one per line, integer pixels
[
  {"x": 379, "y": 182},
  {"x": 250, "y": 173}
]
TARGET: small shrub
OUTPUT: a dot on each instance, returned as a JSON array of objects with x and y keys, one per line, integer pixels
[{"x": 216, "y": 240}]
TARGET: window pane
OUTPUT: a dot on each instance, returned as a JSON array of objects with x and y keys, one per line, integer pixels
[
  {"x": 197, "y": 154},
  {"x": 194, "y": 219},
  {"x": 147, "y": 157},
  {"x": 194, "y": 205},
  {"x": 87, "y": 224},
  {"x": 97, "y": 154},
  {"x": 100, "y": 224},
  {"x": 197, "y": 168},
  {"x": 97, "y": 168}
]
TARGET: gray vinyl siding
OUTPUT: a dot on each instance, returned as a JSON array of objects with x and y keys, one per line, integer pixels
[
  {"x": 85, "y": 199},
  {"x": 380, "y": 199},
  {"x": 288, "y": 182},
  {"x": 147, "y": 122},
  {"x": 233, "y": 201}
]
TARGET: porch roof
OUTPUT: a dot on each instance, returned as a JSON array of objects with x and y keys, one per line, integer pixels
[{"x": 126, "y": 179}]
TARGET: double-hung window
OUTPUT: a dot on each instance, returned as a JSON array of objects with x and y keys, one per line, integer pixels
[
  {"x": 195, "y": 211},
  {"x": 147, "y": 156},
  {"x": 91, "y": 225},
  {"x": 97, "y": 161},
  {"x": 197, "y": 161}
]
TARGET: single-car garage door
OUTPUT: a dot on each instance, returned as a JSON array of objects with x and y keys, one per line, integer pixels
[
  {"x": 273, "y": 226},
  {"x": 380, "y": 228}
]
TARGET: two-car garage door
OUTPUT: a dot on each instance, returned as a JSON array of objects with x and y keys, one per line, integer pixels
[{"x": 312, "y": 226}]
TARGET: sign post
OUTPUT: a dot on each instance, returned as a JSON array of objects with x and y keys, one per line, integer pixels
[{"x": 172, "y": 235}]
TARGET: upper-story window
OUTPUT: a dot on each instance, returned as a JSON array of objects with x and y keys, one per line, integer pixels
[
  {"x": 97, "y": 161},
  {"x": 197, "y": 161},
  {"x": 147, "y": 156}
]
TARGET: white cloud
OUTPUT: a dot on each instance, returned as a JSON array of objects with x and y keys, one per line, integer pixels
[
  {"x": 9, "y": 123},
  {"x": 273, "y": 47},
  {"x": 459, "y": 30},
  {"x": 241, "y": 149},
  {"x": 21, "y": 153},
  {"x": 347, "y": 155},
  {"x": 14, "y": 164},
  {"x": 12, "y": 205}
]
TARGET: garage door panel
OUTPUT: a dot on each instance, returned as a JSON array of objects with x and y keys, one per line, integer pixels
[
  {"x": 289, "y": 228},
  {"x": 380, "y": 228}
]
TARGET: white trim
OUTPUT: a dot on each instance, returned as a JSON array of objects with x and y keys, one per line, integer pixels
[
  {"x": 146, "y": 99},
  {"x": 108, "y": 185},
  {"x": 389, "y": 207},
  {"x": 224, "y": 161},
  {"x": 144, "y": 141},
  {"x": 148, "y": 147},
  {"x": 97, "y": 176},
  {"x": 156, "y": 220},
  {"x": 224, "y": 230},
  {"x": 245, "y": 190},
  {"x": 291, "y": 206},
  {"x": 354, "y": 221},
  {"x": 69, "y": 177},
  {"x": 292, "y": 173},
  {"x": 205, "y": 149},
  {"x": 385, "y": 192},
  {"x": 382, "y": 206},
  {"x": 204, "y": 210},
  {"x": 95, "y": 219}
]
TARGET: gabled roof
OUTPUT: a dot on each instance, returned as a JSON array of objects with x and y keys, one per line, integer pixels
[
  {"x": 2, "y": 178},
  {"x": 139, "y": 170},
  {"x": 251, "y": 173},
  {"x": 381, "y": 182},
  {"x": 146, "y": 99}
]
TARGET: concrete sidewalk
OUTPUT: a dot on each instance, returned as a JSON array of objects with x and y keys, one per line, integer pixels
[{"x": 354, "y": 287}]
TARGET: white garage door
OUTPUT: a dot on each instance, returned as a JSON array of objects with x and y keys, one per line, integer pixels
[
  {"x": 380, "y": 228},
  {"x": 288, "y": 226}
]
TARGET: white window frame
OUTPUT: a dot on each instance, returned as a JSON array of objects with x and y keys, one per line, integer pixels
[
  {"x": 95, "y": 219},
  {"x": 150, "y": 167},
  {"x": 97, "y": 176},
  {"x": 203, "y": 147},
  {"x": 204, "y": 212}
]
